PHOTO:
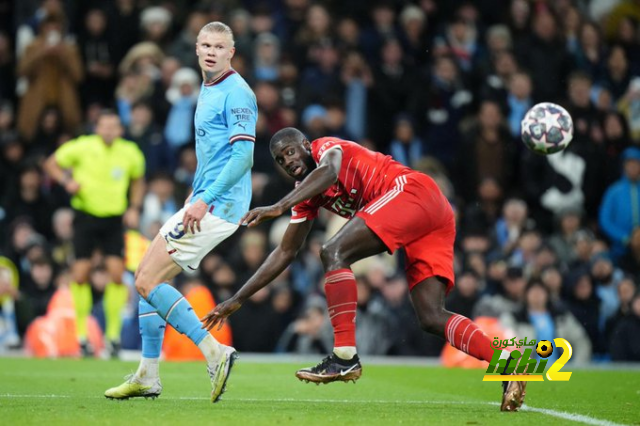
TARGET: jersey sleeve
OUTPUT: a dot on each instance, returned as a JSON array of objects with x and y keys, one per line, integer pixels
[
  {"x": 306, "y": 210},
  {"x": 320, "y": 148},
  {"x": 69, "y": 154},
  {"x": 242, "y": 114},
  {"x": 138, "y": 164}
]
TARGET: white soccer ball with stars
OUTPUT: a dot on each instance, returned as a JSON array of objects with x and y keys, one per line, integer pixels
[{"x": 547, "y": 128}]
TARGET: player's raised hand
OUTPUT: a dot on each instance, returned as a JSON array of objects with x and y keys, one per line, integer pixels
[
  {"x": 260, "y": 214},
  {"x": 193, "y": 215},
  {"x": 219, "y": 314}
]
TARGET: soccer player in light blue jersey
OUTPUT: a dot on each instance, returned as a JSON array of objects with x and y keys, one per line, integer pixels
[{"x": 225, "y": 122}]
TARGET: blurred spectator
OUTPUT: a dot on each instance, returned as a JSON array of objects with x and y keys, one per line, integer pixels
[
  {"x": 518, "y": 101},
  {"x": 382, "y": 29},
  {"x": 155, "y": 23},
  {"x": 563, "y": 240},
  {"x": 183, "y": 45},
  {"x": 590, "y": 51},
  {"x": 357, "y": 79},
  {"x": 53, "y": 68},
  {"x": 626, "y": 292},
  {"x": 316, "y": 32},
  {"x": 185, "y": 172},
  {"x": 606, "y": 279},
  {"x": 541, "y": 320},
  {"x": 48, "y": 133},
  {"x": 584, "y": 303},
  {"x": 616, "y": 77},
  {"x": 183, "y": 96},
  {"x": 266, "y": 58},
  {"x": 624, "y": 344},
  {"x": 28, "y": 200},
  {"x": 414, "y": 35},
  {"x": 509, "y": 299},
  {"x": 62, "y": 250},
  {"x": 616, "y": 140},
  {"x": 240, "y": 23},
  {"x": 144, "y": 130},
  {"x": 374, "y": 326},
  {"x": 158, "y": 204},
  {"x": 269, "y": 106},
  {"x": 256, "y": 327},
  {"x": 311, "y": 333},
  {"x": 7, "y": 69},
  {"x": 511, "y": 225},
  {"x": 484, "y": 212},
  {"x": 629, "y": 106},
  {"x": 97, "y": 49},
  {"x": 543, "y": 53},
  {"x": 139, "y": 70},
  {"x": 36, "y": 291},
  {"x": 439, "y": 109},
  {"x": 406, "y": 147},
  {"x": 622, "y": 199},
  {"x": 486, "y": 152},
  {"x": 465, "y": 295},
  {"x": 321, "y": 78},
  {"x": 496, "y": 85}
]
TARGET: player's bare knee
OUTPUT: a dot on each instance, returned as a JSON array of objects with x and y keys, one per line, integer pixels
[
  {"x": 330, "y": 256},
  {"x": 143, "y": 284}
]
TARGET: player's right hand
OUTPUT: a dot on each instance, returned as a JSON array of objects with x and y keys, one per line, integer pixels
[
  {"x": 220, "y": 313},
  {"x": 260, "y": 214}
]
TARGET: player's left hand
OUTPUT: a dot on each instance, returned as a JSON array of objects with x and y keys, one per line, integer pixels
[
  {"x": 220, "y": 313},
  {"x": 260, "y": 214},
  {"x": 193, "y": 215}
]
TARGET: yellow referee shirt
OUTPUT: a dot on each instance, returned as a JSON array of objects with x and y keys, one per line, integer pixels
[{"x": 104, "y": 173}]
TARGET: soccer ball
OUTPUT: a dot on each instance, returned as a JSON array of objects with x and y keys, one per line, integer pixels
[
  {"x": 546, "y": 128},
  {"x": 544, "y": 348}
]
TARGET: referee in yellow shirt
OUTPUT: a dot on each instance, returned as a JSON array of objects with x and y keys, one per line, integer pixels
[{"x": 105, "y": 175}]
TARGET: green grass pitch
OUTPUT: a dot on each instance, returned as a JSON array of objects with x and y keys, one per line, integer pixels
[{"x": 69, "y": 392}]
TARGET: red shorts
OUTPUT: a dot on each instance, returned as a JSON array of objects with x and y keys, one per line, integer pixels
[{"x": 417, "y": 216}]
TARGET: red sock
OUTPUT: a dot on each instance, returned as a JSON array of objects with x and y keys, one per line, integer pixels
[
  {"x": 342, "y": 301},
  {"x": 466, "y": 336}
]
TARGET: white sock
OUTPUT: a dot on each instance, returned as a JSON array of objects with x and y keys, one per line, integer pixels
[
  {"x": 211, "y": 349},
  {"x": 345, "y": 352},
  {"x": 149, "y": 369}
]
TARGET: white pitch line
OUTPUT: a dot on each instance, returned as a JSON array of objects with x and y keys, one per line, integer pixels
[
  {"x": 13, "y": 395},
  {"x": 571, "y": 416},
  {"x": 578, "y": 418}
]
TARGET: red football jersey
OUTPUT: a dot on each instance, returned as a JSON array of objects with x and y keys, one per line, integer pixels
[{"x": 363, "y": 176}]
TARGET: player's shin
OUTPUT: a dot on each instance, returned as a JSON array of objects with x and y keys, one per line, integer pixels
[
  {"x": 465, "y": 335},
  {"x": 152, "y": 328},
  {"x": 177, "y": 311},
  {"x": 342, "y": 301}
]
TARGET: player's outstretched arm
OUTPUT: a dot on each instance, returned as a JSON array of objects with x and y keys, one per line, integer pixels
[
  {"x": 277, "y": 261},
  {"x": 316, "y": 182}
]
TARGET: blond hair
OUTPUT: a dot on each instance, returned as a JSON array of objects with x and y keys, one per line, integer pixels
[{"x": 219, "y": 27}]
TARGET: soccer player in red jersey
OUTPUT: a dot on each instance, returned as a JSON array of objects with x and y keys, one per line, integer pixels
[{"x": 389, "y": 206}]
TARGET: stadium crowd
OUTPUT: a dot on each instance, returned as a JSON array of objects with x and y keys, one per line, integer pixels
[{"x": 546, "y": 246}]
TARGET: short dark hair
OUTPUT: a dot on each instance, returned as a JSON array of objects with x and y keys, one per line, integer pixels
[
  {"x": 106, "y": 112},
  {"x": 286, "y": 135}
]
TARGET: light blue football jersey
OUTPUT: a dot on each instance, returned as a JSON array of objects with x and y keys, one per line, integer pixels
[{"x": 226, "y": 113}]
